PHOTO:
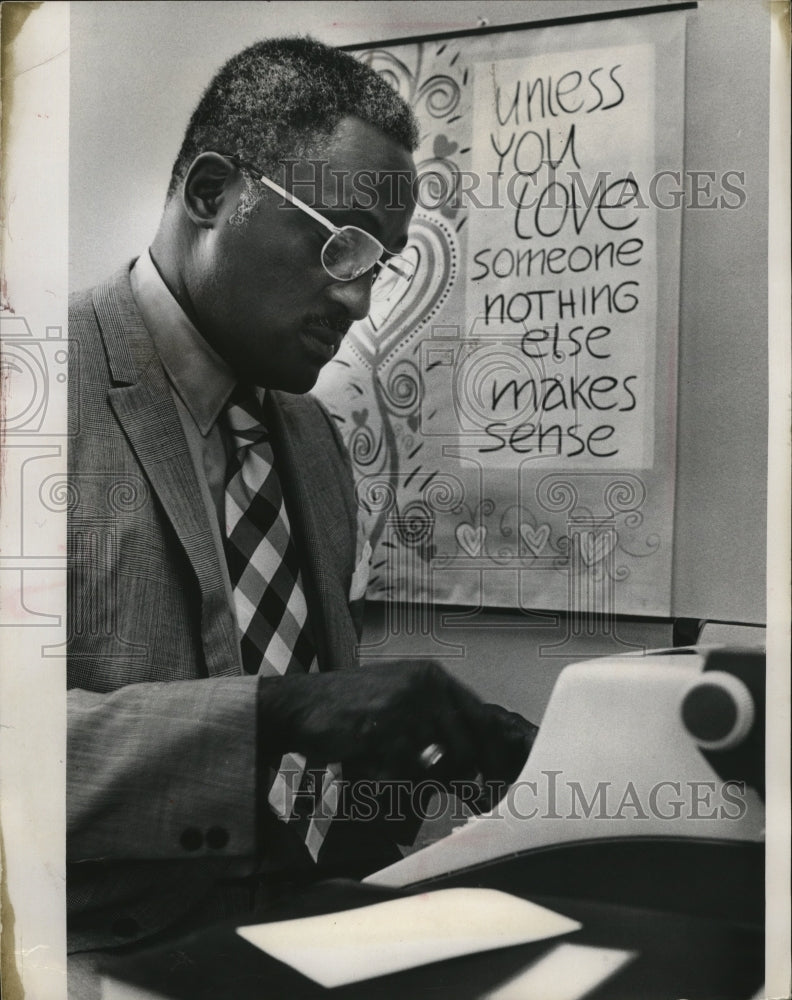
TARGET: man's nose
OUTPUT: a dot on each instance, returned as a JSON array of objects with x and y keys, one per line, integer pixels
[{"x": 354, "y": 296}]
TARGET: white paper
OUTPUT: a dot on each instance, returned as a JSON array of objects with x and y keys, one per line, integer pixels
[
  {"x": 569, "y": 972},
  {"x": 560, "y": 179},
  {"x": 339, "y": 948}
]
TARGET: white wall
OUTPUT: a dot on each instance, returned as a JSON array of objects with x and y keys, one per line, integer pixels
[{"x": 719, "y": 547}]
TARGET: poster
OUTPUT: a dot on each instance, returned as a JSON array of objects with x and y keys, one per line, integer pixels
[{"x": 511, "y": 418}]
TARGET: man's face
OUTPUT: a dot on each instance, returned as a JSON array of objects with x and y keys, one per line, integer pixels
[{"x": 259, "y": 291}]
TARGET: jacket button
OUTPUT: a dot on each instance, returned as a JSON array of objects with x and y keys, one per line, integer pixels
[
  {"x": 125, "y": 927},
  {"x": 216, "y": 837},
  {"x": 191, "y": 839}
]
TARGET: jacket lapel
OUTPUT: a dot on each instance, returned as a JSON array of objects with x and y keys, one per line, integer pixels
[{"x": 143, "y": 404}]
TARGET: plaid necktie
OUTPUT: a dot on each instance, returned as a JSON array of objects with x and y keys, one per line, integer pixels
[
  {"x": 272, "y": 613},
  {"x": 262, "y": 560}
]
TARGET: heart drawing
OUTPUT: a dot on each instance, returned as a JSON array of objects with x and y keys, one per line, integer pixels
[
  {"x": 471, "y": 539},
  {"x": 594, "y": 546},
  {"x": 535, "y": 538},
  {"x": 434, "y": 252},
  {"x": 443, "y": 147}
]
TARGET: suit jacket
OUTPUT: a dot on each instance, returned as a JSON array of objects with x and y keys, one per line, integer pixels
[{"x": 162, "y": 766}]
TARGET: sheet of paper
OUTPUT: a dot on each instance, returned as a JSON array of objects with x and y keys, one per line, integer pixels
[
  {"x": 568, "y": 972},
  {"x": 339, "y": 948},
  {"x": 114, "y": 989}
]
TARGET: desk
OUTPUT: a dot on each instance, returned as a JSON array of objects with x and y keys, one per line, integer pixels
[{"x": 691, "y": 910}]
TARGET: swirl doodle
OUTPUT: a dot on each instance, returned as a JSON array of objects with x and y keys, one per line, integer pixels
[
  {"x": 564, "y": 547},
  {"x": 364, "y": 446},
  {"x": 651, "y": 543},
  {"x": 127, "y": 495},
  {"x": 440, "y": 95},
  {"x": 402, "y": 388},
  {"x": 473, "y": 381},
  {"x": 444, "y": 494},
  {"x": 486, "y": 508},
  {"x": 414, "y": 524},
  {"x": 439, "y": 179},
  {"x": 555, "y": 494},
  {"x": 393, "y": 70},
  {"x": 438, "y": 186},
  {"x": 624, "y": 494},
  {"x": 57, "y": 493},
  {"x": 618, "y": 573},
  {"x": 376, "y": 494}
]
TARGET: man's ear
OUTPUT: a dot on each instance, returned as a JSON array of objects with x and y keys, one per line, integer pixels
[{"x": 211, "y": 182}]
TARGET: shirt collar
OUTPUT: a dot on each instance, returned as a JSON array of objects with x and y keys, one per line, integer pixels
[{"x": 198, "y": 374}]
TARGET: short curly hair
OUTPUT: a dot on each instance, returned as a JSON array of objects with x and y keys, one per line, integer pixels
[{"x": 281, "y": 97}]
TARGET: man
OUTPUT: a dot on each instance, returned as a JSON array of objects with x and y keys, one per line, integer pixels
[{"x": 218, "y": 720}]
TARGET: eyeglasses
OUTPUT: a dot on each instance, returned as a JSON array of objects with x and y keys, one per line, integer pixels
[{"x": 350, "y": 251}]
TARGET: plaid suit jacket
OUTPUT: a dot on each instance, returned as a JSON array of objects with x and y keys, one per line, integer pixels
[{"x": 162, "y": 727}]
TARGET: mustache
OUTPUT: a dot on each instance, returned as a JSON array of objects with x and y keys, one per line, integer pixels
[{"x": 338, "y": 324}]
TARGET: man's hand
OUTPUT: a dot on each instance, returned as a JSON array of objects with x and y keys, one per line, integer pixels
[
  {"x": 381, "y": 719},
  {"x": 511, "y": 738}
]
